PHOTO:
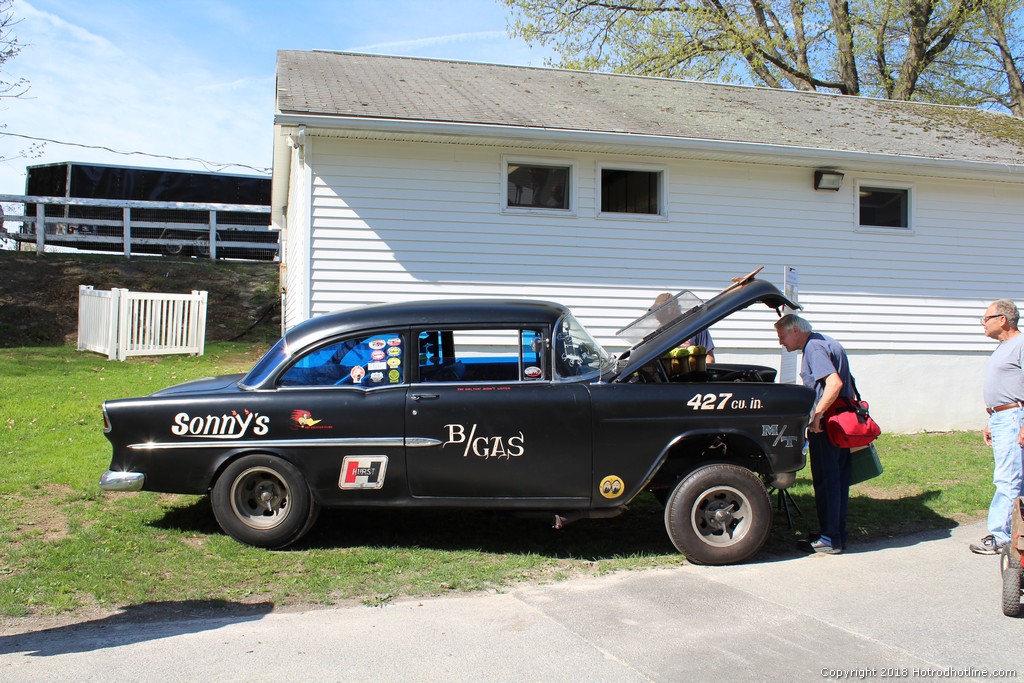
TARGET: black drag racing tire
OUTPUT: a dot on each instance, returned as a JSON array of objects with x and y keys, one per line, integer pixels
[
  {"x": 263, "y": 501},
  {"x": 1012, "y": 573},
  {"x": 719, "y": 514}
]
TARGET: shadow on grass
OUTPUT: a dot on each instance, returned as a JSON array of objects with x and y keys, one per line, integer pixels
[
  {"x": 639, "y": 532},
  {"x": 195, "y": 517},
  {"x": 135, "y": 624}
]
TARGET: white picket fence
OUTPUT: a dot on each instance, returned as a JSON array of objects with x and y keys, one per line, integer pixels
[{"x": 120, "y": 323}]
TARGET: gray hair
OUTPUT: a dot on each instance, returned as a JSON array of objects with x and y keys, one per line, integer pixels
[
  {"x": 792, "y": 321},
  {"x": 1009, "y": 309}
]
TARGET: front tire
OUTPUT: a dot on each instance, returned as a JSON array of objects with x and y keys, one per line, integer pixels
[
  {"x": 263, "y": 501},
  {"x": 719, "y": 514}
]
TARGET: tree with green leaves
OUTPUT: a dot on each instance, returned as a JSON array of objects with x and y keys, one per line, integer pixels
[
  {"x": 896, "y": 49},
  {"x": 984, "y": 66}
]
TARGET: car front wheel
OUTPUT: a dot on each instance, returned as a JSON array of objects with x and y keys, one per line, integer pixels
[
  {"x": 263, "y": 501},
  {"x": 719, "y": 514}
]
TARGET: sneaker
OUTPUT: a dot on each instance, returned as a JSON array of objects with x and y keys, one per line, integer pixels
[
  {"x": 819, "y": 546},
  {"x": 987, "y": 546}
]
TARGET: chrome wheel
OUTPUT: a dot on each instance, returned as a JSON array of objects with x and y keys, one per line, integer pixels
[
  {"x": 721, "y": 516},
  {"x": 260, "y": 498}
]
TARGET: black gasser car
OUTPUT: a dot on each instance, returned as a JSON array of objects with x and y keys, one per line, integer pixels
[{"x": 498, "y": 404}]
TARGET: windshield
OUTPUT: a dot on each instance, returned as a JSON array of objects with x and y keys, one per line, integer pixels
[
  {"x": 577, "y": 354},
  {"x": 666, "y": 310}
]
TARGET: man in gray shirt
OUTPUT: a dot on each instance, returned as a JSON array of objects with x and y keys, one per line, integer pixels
[{"x": 1003, "y": 392}]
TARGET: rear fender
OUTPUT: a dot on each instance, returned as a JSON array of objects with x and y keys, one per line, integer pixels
[{"x": 231, "y": 457}]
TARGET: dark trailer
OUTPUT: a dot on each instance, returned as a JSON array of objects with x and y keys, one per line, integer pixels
[
  {"x": 97, "y": 181},
  {"x": 189, "y": 235}
]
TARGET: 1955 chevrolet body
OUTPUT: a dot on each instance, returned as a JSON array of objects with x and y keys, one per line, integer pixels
[{"x": 498, "y": 404}]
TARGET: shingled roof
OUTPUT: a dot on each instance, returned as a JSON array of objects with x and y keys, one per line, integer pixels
[{"x": 336, "y": 87}]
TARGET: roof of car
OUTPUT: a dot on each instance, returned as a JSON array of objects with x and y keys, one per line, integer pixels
[{"x": 428, "y": 312}]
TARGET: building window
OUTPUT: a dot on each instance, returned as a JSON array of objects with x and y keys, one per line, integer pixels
[
  {"x": 884, "y": 207},
  {"x": 630, "y": 191},
  {"x": 538, "y": 186}
]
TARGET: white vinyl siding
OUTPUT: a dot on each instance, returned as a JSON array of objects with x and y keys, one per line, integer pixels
[
  {"x": 296, "y": 271},
  {"x": 399, "y": 221}
]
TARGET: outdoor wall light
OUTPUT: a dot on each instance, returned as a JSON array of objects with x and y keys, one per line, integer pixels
[{"x": 827, "y": 180}]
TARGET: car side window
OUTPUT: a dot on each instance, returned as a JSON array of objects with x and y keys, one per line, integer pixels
[
  {"x": 364, "y": 361},
  {"x": 480, "y": 355}
]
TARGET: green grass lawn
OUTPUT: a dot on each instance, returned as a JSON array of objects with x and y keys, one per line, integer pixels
[{"x": 65, "y": 545}]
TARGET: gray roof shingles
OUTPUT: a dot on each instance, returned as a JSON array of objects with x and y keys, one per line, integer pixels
[{"x": 404, "y": 88}]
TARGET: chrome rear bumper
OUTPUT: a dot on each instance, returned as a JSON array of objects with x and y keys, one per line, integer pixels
[{"x": 122, "y": 481}]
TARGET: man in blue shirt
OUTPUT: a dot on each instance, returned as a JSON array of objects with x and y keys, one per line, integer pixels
[
  {"x": 826, "y": 369},
  {"x": 1003, "y": 392}
]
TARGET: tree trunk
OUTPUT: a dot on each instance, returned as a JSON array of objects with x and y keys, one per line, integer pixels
[
  {"x": 997, "y": 30},
  {"x": 840, "y": 10}
]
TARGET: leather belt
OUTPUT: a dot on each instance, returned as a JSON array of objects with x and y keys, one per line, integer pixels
[{"x": 1005, "y": 406}]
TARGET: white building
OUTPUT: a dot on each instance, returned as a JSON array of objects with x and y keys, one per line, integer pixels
[{"x": 399, "y": 178}]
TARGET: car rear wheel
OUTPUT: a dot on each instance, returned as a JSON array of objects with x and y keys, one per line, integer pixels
[
  {"x": 263, "y": 501},
  {"x": 719, "y": 514}
]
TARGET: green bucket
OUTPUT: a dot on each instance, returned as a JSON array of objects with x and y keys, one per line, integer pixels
[{"x": 864, "y": 464}]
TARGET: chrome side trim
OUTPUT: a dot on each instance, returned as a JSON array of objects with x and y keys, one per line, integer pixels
[
  {"x": 122, "y": 481},
  {"x": 421, "y": 442},
  {"x": 382, "y": 442}
]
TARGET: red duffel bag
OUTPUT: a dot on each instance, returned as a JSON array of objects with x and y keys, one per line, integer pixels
[{"x": 849, "y": 425}]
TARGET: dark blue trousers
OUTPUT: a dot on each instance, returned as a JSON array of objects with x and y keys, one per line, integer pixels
[{"x": 830, "y": 474}]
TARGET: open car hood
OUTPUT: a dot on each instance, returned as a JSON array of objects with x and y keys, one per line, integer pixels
[{"x": 657, "y": 340}]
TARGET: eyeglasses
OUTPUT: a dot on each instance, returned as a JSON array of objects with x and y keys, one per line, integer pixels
[{"x": 986, "y": 318}]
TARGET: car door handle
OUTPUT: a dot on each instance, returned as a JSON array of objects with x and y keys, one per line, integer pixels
[{"x": 422, "y": 397}]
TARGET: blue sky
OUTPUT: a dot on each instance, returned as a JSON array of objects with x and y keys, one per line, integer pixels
[{"x": 195, "y": 78}]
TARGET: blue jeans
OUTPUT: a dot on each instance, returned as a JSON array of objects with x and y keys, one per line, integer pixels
[
  {"x": 1008, "y": 454},
  {"x": 830, "y": 474}
]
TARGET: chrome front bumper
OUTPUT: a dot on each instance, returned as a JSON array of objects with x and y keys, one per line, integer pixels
[{"x": 122, "y": 481}]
